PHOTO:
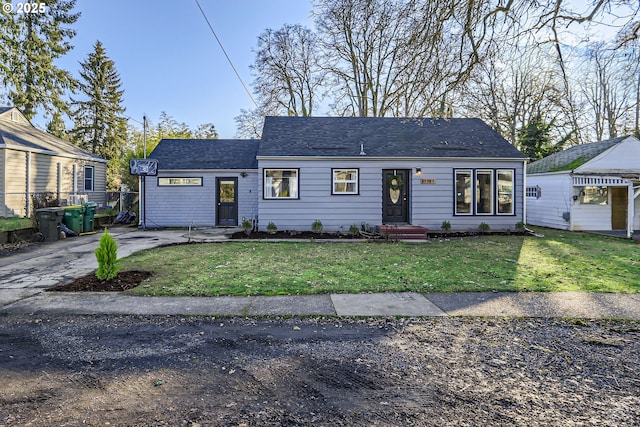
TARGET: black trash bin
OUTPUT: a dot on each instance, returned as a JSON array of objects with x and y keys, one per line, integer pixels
[{"x": 49, "y": 220}]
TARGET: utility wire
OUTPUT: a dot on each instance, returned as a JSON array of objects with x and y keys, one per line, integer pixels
[{"x": 225, "y": 53}]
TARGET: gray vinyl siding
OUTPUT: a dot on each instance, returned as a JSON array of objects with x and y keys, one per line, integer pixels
[
  {"x": 555, "y": 200},
  {"x": 184, "y": 206},
  {"x": 430, "y": 204}
]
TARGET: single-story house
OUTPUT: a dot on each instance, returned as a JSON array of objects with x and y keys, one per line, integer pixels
[
  {"x": 342, "y": 171},
  {"x": 591, "y": 187},
  {"x": 34, "y": 162}
]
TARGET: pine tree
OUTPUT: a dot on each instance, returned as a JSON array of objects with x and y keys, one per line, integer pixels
[
  {"x": 57, "y": 126},
  {"x": 99, "y": 122},
  {"x": 535, "y": 141},
  {"x": 31, "y": 44}
]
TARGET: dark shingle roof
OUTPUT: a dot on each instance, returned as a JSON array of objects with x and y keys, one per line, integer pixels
[
  {"x": 382, "y": 137},
  {"x": 23, "y": 135},
  {"x": 206, "y": 154},
  {"x": 572, "y": 157}
]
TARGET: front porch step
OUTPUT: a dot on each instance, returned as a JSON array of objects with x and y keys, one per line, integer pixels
[{"x": 403, "y": 232}]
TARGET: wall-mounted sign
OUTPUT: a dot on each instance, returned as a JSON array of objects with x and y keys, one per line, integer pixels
[{"x": 427, "y": 181}]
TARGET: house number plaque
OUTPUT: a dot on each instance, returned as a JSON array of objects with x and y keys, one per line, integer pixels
[{"x": 428, "y": 181}]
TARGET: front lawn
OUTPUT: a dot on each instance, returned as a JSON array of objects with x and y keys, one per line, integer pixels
[{"x": 559, "y": 261}]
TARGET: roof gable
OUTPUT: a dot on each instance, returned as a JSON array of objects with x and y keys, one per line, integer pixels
[
  {"x": 382, "y": 137},
  {"x": 573, "y": 157},
  {"x": 184, "y": 154},
  {"x": 620, "y": 159},
  {"x": 16, "y": 132}
]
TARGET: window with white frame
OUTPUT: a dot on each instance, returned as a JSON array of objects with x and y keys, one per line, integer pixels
[
  {"x": 504, "y": 182},
  {"x": 344, "y": 181},
  {"x": 464, "y": 193},
  {"x": 281, "y": 183},
  {"x": 89, "y": 178},
  {"x": 484, "y": 192}
]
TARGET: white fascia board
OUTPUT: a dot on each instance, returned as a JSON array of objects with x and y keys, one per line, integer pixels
[{"x": 480, "y": 159}]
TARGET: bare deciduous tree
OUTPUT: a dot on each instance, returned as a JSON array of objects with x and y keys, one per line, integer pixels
[{"x": 288, "y": 76}]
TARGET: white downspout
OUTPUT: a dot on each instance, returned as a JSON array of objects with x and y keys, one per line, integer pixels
[
  {"x": 630, "y": 209},
  {"x": 28, "y": 184}
]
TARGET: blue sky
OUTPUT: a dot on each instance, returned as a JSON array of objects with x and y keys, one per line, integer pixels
[{"x": 169, "y": 60}]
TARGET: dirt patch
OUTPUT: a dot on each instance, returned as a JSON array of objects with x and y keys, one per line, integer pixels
[
  {"x": 131, "y": 370},
  {"x": 123, "y": 281}
]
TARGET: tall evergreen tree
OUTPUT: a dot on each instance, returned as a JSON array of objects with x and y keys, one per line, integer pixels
[
  {"x": 57, "y": 126},
  {"x": 99, "y": 122},
  {"x": 535, "y": 141},
  {"x": 31, "y": 44}
]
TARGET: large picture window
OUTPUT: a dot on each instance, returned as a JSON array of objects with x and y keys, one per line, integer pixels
[
  {"x": 89, "y": 178},
  {"x": 484, "y": 192},
  {"x": 505, "y": 191},
  {"x": 281, "y": 183},
  {"x": 463, "y": 192},
  {"x": 344, "y": 181}
]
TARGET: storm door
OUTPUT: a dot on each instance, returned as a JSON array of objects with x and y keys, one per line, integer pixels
[
  {"x": 227, "y": 201},
  {"x": 395, "y": 196}
]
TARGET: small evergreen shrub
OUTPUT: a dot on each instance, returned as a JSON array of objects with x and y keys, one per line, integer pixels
[
  {"x": 484, "y": 227},
  {"x": 107, "y": 256},
  {"x": 316, "y": 227},
  {"x": 446, "y": 226},
  {"x": 247, "y": 225},
  {"x": 272, "y": 228},
  {"x": 520, "y": 226},
  {"x": 354, "y": 230}
]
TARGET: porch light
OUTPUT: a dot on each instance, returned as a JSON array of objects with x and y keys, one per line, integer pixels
[{"x": 418, "y": 171}]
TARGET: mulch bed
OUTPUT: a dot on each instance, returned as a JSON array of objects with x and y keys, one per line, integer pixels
[{"x": 123, "y": 281}]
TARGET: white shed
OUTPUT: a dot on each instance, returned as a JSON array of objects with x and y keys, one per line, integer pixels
[{"x": 590, "y": 187}]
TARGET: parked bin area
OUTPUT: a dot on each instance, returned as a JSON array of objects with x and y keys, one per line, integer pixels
[
  {"x": 49, "y": 220},
  {"x": 74, "y": 218},
  {"x": 89, "y": 214}
]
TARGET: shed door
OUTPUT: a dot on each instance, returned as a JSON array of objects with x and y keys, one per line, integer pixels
[
  {"x": 395, "y": 196},
  {"x": 227, "y": 201},
  {"x": 619, "y": 204}
]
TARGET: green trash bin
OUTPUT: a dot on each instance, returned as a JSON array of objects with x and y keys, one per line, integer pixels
[
  {"x": 74, "y": 218},
  {"x": 49, "y": 220},
  {"x": 89, "y": 214}
]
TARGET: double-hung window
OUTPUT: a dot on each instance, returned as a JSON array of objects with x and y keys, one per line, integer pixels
[
  {"x": 89, "y": 178},
  {"x": 281, "y": 183},
  {"x": 484, "y": 192},
  {"x": 344, "y": 181}
]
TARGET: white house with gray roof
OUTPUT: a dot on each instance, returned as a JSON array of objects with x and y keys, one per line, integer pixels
[
  {"x": 342, "y": 171},
  {"x": 591, "y": 187}
]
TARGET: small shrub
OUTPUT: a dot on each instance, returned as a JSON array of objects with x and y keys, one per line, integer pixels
[
  {"x": 446, "y": 226},
  {"x": 520, "y": 226},
  {"x": 484, "y": 227},
  {"x": 316, "y": 227},
  {"x": 107, "y": 256},
  {"x": 247, "y": 225},
  {"x": 272, "y": 228},
  {"x": 354, "y": 230}
]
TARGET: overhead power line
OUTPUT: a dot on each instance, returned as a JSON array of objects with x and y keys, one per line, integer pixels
[{"x": 225, "y": 54}]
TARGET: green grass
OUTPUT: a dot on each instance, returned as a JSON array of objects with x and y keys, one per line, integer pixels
[
  {"x": 559, "y": 261},
  {"x": 10, "y": 224}
]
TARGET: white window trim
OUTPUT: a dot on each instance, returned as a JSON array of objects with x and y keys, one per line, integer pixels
[
  {"x": 335, "y": 181},
  {"x": 93, "y": 178},
  {"x": 497, "y": 195},
  {"x": 472, "y": 189},
  {"x": 293, "y": 195},
  {"x": 491, "y": 173}
]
